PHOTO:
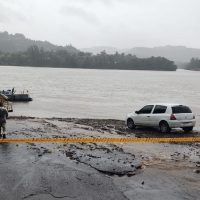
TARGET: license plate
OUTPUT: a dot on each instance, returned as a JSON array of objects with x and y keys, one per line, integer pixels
[{"x": 186, "y": 124}]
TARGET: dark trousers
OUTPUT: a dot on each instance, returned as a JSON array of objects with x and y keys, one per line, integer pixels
[{"x": 2, "y": 128}]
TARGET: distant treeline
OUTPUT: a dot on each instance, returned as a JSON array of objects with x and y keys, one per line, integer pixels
[
  {"x": 35, "y": 56},
  {"x": 194, "y": 64}
]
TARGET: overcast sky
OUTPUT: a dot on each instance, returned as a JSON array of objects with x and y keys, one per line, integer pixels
[{"x": 118, "y": 23}]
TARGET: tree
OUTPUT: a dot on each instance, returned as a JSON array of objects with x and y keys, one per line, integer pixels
[
  {"x": 35, "y": 56},
  {"x": 194, "y": 64}
]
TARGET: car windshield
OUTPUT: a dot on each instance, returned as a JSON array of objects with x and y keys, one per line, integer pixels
[{"x": 181, "y": 109}]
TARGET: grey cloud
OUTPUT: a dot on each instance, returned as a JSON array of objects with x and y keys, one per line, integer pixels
[
  {"x": 7, "y": 14},
  {"x": 110, "y": 2},
  {"x": 105, "y": 2},
  {"x": 121, "y": 23},
  {"x": 76, "y": 11},
  {"x": 3, "y": 16}
]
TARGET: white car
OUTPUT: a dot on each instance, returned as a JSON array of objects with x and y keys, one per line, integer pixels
[{"x": 162, "y": 115}]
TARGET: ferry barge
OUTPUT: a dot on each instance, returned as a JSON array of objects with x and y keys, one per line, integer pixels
[{"x": 12, "y": 96}]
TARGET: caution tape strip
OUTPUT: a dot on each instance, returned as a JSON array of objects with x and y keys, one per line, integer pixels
[{"x": 101, "y": 139}]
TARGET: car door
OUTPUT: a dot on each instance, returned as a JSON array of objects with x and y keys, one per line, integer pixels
[
  {"x": 157, "y": 115},
  {"x": 143, "y": 115}
]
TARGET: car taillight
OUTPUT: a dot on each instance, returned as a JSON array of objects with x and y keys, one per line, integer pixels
[{"x": 172, "y": 117}]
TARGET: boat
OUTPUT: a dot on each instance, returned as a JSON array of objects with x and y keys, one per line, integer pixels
[{"x": 13, "y": 96}]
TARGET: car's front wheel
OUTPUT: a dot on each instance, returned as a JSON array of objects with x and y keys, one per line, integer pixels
[
  {"x": 130, "y": 124},
  {"x": 188, "y": 129},
  {"x": 164, "y": 127}
]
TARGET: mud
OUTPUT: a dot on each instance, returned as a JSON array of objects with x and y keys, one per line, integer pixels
[
  {"x": 110, "y": 160},
  {"x": 96, "y": 170}
]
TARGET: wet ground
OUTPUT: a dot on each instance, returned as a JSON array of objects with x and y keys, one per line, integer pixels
[{"x": 96, "y": 170}]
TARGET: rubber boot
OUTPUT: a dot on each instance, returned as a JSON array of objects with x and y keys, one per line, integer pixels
[
  {"x": 0, "y": 135},
  {"x": 4, "y": 136}
]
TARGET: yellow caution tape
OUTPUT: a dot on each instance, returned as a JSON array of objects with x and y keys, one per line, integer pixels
[{"x": 102, "y": 139}]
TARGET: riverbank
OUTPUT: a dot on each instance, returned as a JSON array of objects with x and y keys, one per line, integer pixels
[{"x": 96, "y": 170}]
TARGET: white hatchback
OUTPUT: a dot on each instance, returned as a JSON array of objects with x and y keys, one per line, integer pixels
[{"x": 162, "y": 115}]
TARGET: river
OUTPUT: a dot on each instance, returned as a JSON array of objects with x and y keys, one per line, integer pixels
[{"x": 87, "y": 93}]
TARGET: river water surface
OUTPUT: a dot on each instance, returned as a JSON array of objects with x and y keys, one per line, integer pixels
[{"x": 87, "y": 93}]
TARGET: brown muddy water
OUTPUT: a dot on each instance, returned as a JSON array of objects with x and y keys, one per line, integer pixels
[{"x": 86, "y": 93}]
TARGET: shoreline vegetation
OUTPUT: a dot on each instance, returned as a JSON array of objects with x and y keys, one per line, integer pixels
[
  {"x": 194, "y": 64},
  {"x": 37, "y": 57},
  {"x": 17, "y": 50}
]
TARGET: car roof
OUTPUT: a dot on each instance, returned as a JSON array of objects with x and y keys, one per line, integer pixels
[{"x": 166, "y": 104}]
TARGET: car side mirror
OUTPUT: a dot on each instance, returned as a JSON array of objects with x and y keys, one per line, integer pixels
[{"x": 137, "y": 112}]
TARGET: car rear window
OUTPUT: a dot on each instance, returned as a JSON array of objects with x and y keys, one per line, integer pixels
[
  {"x": 159, "y": 109},
  {"x": 181, "y": 109}
]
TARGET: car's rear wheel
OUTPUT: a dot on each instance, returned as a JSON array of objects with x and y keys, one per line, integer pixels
[
  {"x": 188, "y": 129},
  {"x": 130, "y": 124},
  {"x": 164, "y": 127}
]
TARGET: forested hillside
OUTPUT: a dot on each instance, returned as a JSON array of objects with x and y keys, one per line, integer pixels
[
  {"x": 18, "y": 43},
  {"x": 36, "y": 56},
  {"x": 178, "y": 54}
]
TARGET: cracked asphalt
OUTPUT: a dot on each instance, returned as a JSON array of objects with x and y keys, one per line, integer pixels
[{"x": 84, "y": 171}]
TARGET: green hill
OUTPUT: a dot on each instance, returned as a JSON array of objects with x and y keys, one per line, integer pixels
[
  {"x": 17, "y": 50},
  {"x": 10, "y": 43}
]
